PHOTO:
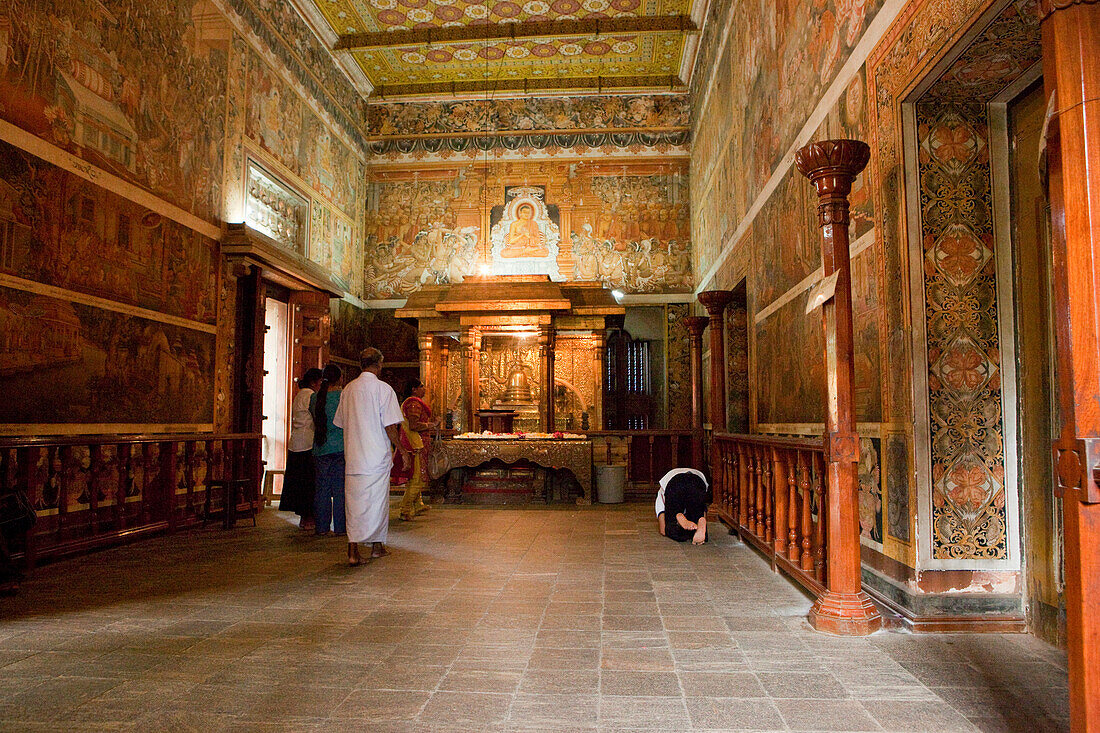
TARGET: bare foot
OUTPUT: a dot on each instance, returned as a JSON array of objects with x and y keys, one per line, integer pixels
[
  {"x": 379, "y": 550},
  {"x": 685, "y": 522},
  {"x": 700, "y": 533},
  {"x": 354, "y": 558}
]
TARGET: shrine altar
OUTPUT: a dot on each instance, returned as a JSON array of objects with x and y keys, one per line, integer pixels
[{"x": 572, "y": 455}]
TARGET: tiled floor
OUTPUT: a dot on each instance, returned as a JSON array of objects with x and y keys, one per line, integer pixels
[{"x": 482, "y": 619}]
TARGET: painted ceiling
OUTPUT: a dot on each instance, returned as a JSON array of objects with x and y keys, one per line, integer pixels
[{"x": 628, "y": 54}]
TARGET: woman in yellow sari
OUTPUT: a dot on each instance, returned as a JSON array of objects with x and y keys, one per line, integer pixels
[{"x": 416, "y": 436}]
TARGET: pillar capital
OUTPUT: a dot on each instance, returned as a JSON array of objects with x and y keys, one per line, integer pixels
[
  {"x": 715, "y": 301},
  {"x": 1047, "y": 7},
  {"x": 696, "y": 325}
]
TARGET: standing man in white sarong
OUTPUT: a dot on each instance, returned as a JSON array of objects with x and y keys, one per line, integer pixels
[{"x": 371, "y": 418}]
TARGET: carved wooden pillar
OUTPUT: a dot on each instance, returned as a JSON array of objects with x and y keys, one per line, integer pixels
[
  {"x": 715, "y": 301},
  {"x": 695, "y": 326},
  {"x": 441, "y": 407},
  {"x": 427, "y": 359},
  {"x": 598, "y": 343},
  {"x": 471, "y": 348},
  {"x": 831, "y": 166},
  {"x": 1071, "y": 75},
  {"x": 546, "y": 365}
]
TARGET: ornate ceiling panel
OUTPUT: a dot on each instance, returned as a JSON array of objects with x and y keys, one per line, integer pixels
[{"x": 408, "y": 48}]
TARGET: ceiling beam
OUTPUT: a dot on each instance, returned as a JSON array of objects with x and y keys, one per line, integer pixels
[
  {"x": 511, "y": 31},
  {"x": 656, "y": 84}
]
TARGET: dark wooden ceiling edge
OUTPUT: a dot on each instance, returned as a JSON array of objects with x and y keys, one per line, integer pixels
[{"x": 509, "y": 31}]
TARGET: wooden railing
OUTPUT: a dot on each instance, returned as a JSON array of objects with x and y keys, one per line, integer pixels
[
  {"x": 647, "y": 454},
  {"x": 771, "y": 490},
  {"x": 95, "y": 491}
]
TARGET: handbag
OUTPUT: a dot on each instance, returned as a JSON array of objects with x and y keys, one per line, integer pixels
[
  {"x": 17, "y": 514},
  {"x": 437, "y": 460}
]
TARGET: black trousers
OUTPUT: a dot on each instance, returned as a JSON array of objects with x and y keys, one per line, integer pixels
[{"x": 685, "y": 494}]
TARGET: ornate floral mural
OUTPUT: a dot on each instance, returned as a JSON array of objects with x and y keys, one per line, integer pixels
[{"x": 964, "y": 380}]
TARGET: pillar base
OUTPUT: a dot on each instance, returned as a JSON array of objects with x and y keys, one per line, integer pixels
[{"x": 845, "y": 614}]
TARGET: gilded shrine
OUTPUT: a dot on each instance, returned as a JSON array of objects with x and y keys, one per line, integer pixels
[{"x": 519, "y": 346}]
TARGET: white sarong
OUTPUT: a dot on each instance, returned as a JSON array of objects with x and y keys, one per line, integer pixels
[{"x": 367, "y": 506}]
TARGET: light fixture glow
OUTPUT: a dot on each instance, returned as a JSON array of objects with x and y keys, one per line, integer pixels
[{"x": 617, "y": 295}]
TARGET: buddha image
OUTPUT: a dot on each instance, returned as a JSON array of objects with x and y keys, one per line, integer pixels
[{"x": 524, "y": 239}]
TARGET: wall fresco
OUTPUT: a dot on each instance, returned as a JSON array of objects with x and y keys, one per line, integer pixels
[
  {"x": 789, "y": 388},
  {"x": 58, "y": 229},
  {"x": 869, "y": 476},
  {"x": 678, "y": 366},
  {"x": 72, "y": 363},
  {"x": 622, "y": 225},
  {"x": 136, "y": 88},
  {"x": 281, "y": 31},
  {"x": 548, "y": 114},
  {"x": 774, "y": 67},
  {"x": 283, "y": 125}
]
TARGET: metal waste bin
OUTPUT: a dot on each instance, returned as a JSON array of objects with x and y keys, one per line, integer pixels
[{"x": 610, "y": 481}]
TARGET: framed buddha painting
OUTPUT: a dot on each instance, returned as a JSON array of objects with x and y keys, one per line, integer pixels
[{"x": 525, "y": 234}]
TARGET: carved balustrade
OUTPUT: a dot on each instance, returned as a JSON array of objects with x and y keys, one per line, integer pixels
[
  {"x": 96, "y": 491},
  {"x": 772, "y": 491}
]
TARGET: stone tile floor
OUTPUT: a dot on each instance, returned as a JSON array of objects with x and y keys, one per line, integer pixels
[{"x": 481, "y": 619}]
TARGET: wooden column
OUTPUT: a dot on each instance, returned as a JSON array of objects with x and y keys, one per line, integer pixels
[
  {"x": 471, "y": 349},
  {"x": 715, "y": 301},
  {"x": 441, "y": 406},
  {"x": 598, "y": 342},
  {"x": 696, "y": 325},
  {"x": 844, "y": 608},
  {"x": 427, "y": 358},
  {"x": 546, "y": 365},
  {"x": 1071, "y": 75}
]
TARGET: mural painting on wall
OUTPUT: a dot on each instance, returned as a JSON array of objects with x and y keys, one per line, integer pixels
[
  {"x": 533, "y": 113},
  {"x": 639, "y": 238},
  {"x": 869, "y": 475},
  {"x": 333, "y": 243},
  {"x": 626, "y": 231},
  {"x": 744, "y": 126},
  {"x": 964, "y": 378},
  {"x": 790, "y": 366},
  {"x": 284, "y": 33},
  {"x": 738, "y": 385},
  {"x": 678, "y": 366},
  {"x": 281, "y": 123},
  {"x": 788, "y": 237},
  {"x": 865, "y": 322},
  {"x": 58, "y": 229},
  {"x": 74, "y": 74},
  {"x": 354, "y": 329},
  {"x": 552, "y": 125},
  {"x": 72, "y": 363},
  {"x": 524, "y": 233},
  {"x": 412, "y": 238}
]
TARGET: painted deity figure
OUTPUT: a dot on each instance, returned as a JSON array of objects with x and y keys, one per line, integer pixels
[{"x": 524, "y": 238}]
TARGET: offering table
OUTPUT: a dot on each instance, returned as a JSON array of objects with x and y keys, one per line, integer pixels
[{"x": 573, "y": 455}]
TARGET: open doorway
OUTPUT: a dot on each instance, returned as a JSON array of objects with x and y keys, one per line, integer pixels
[{"x": 276, "y": 390}]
